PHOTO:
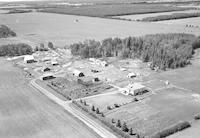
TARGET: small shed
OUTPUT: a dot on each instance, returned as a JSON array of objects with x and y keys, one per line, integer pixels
[
  {"x": 29, "y": 59},
  {"x": 46, "y": 69},
  {"x": 131, "y": 75},
  {"x": 78, "y": 73},
  {"x": 47, "y": 76},
  {"x": 54, "y": 63}
]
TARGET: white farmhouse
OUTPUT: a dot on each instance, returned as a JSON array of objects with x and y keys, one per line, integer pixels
[{"x": 134, "y": 89}]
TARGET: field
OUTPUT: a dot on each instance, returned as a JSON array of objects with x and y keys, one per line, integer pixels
[
  {"x": 189, "y": 21},
  {"x": 141, "y": 16},
  {"x": 112, "y": 9},
  {"x": 43, "y": 27},
  {"x": 26, "y": 113}
]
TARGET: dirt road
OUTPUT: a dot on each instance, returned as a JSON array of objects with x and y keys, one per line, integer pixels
[
  {"x": 26, "y": 113},
  {"x": 65, "y": 104}
]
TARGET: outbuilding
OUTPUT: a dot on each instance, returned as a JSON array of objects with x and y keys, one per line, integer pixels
[
  {"x": 47, "y": 76},
  {"x": 54, "y": 63},
  {"x": 46, "y": 69},
  {"x": 131, "y": 75},
  {"x": 78, "y": 73},
  {"x": 29, "y": 59},
  {"x": 134, "y": 89}
]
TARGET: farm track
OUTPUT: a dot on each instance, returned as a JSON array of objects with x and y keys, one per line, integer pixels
[{"x": 66, "y": 105}]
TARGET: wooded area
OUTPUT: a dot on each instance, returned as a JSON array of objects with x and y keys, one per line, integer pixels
[{"x": 163, "y": 50}]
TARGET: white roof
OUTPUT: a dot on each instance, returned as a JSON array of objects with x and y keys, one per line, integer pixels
[
  {"x": 135, "y": 86},
  {"x": 76, "y": 72},
  {"x": 131, "y": 74},
  {"x": 47, "y": 74},
  {"x": 28, "y": 57}
]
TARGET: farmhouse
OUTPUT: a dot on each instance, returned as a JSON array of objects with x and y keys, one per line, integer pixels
[
  {"x": 47, "y": 76},
  {"x": 134, "y": 89},
  {"x": 29, "y": 59},
  {"x": 78, "y": 73}
]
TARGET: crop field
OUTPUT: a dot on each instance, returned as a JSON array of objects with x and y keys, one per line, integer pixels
[
  {"x": 141, "y": 16},
  {"x": 25, "y": 112},
  {"x": 189, "y": 21},
  {"x": 112, "y": 9},
  {"x": 63, "y": 29}
]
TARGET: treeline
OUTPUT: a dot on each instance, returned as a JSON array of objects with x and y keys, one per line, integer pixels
[
  {"x": 163, "y": 50},
  {"x": 6, "y": 32},
  {"x": 15, "y": 50},
  {"x": 170, "y": 17}
]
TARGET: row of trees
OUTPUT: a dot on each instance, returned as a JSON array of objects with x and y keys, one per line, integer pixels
[
  {"x": 15, "y": 50},
  {"x": 163, "y": 50},
  {"x": 6, "y": 32}
]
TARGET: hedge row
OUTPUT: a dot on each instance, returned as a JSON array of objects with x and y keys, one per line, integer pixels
[
  {"x": 102, "y": 119},
  {"x": 166, "y": 132}
]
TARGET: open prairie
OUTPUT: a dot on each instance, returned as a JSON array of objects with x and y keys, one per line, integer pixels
[
  {"x": 65, "y": 29},
  {"x": 26, "y": 113}
]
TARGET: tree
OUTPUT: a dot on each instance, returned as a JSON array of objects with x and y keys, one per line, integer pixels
[
  {"x": 50, "y": 45},
  {"x": 118, "y": 123},
  {"x": 124, "y": 127},
  {"x": 85, "y": 103},
  {"x": 93, "y": 108},
  {"x": 131, "y": 131},
  {"x": 97, "y": 111},
  {"x": 36, "y": 48},
  {"x": 41, "y": 47},
  {"x": 113, "y": 120},
  {"x": 109, "y": 108},
  {"x": 102, "y": 114}
]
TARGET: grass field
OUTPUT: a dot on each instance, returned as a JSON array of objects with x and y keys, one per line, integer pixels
[
  {"x": 63, "y": 29},
  {"x": 26, "y": 113}
]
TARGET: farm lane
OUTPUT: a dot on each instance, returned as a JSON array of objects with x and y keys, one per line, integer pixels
[
  {"x": 65, "y": 104},
  {"x": 25, "y": 113}
]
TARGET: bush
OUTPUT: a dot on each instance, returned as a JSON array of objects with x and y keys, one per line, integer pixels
[
  {"x": 166, "y": 132},
  {"x": 6, "y": 32},
  {"x": 197, "y": 117},
  {"x": 109, "y": 108}
]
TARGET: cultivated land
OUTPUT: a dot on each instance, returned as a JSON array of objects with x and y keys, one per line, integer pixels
[
  {"x": 183, "y": 22},
  {"x": 141, "y": 16},
  {"x": 26, "y": 113},
  {"x": 63, "y": 29}
]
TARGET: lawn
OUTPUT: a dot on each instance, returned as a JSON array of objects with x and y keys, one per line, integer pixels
[{"x": 108, "y": 100}]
